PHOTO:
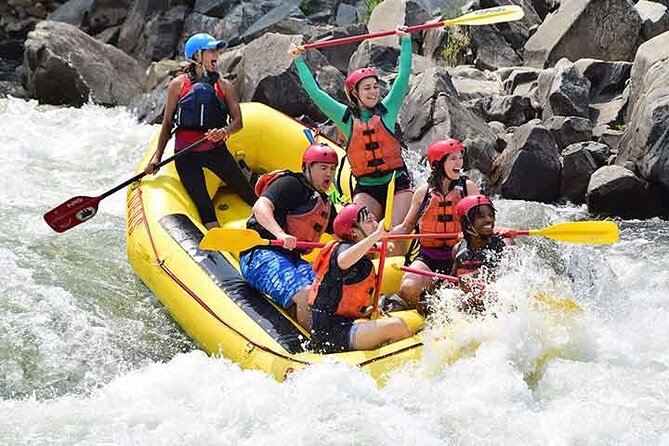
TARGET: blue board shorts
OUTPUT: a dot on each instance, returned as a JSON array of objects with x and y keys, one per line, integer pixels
[{"x": 276, "y": 273}]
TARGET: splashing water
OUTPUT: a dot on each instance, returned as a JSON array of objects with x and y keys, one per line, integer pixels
[{"x": 88, "y": 356}]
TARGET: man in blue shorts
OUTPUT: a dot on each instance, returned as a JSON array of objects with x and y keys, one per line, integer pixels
[{"x": 291, "y": 207}]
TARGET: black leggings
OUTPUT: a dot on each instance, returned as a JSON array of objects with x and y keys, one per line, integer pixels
[{"x": 220, "y": 161}]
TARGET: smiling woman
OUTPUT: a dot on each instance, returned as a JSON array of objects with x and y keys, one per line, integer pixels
[{"x": 201, "y": 104}]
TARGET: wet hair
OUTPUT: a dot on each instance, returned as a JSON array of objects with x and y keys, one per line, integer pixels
[{"x": 467, "y": 221}]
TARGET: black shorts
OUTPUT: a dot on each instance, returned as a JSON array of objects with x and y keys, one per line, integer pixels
[
  {"x": 335, "y": 339},
  {"x": 380, "y": 192},
  {"x": 436, "y": 265}
]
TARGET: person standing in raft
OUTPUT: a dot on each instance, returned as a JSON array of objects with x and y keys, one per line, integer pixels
[
  {"x": 199, "y": 103},
  {"x": 372, "y": 147},
  {"x": 481, "y": 247},
  {"x": 292, "y": 207},
  {"x": 344, "y": 288},
  {"x": 433, "y": 211}
]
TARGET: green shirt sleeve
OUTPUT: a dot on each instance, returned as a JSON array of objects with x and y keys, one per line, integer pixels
[
  {"x": 393, "y": 101},
  {"x": 328, "y": 105}
]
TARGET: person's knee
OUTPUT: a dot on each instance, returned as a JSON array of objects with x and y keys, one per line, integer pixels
[{"x": 409, "y": 291}]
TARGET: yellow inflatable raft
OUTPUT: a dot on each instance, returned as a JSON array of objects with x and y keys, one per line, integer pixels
[{"x": 204, "y": 291}]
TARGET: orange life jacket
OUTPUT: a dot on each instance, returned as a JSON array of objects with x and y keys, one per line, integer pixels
[
  {"x": 372, "y": 148},
  {"x": 305, "y": 225},
  {"x": 355, "y": 297},
  {"x": 439, "y": 215}
]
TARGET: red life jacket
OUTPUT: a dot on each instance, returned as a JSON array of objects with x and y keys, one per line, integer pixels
[
  {"x": 355, "y": 297},
  {"x": 372, "y": 148},
  {"x": 200, "y": 108},
  {"x": 439, "y": 215},
  {"x": 305, "y": 225}
]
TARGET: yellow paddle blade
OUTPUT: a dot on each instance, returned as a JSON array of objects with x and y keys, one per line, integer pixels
[
  {"x": 488, "y": 16},
  {"x": 231, "y": 240},
  {"x": 585, "y": 232},
  {"x": 561, "y": 304},
  {"x": 390, "y": 195}
]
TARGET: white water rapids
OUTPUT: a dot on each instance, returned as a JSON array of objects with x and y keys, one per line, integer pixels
[{"x": 88, "y": 356}]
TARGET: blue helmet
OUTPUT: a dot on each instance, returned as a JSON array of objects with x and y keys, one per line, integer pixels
[{"x": 199, "y": 42}]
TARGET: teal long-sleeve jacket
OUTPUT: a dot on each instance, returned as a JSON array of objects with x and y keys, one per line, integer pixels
[{"x": 335, "y": 110}]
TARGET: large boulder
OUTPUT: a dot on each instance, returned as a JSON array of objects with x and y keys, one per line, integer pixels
[
  {"x": 607, "y": 84},
  {"x": 645, "y": 142},
  {"x": 392, "y": 13},
  {"x": 655, "y": 18},
  {"x": 529, "y": 167},
  {"x": 562, "y": 91},
  {"x": 501, "y": 45},
  {"x": 567, "y": 130},
  {"x": 151, "y": 31},
  {"x": 492, "y": 51},
  {"x": 614, "y": 190},
  {"x": 264, "y": 72},
  {"x": 64, "y": 66},
  {"x": 340, "y": 55},
  {"x": 432, "y": 111},
  {"x": 578, "y": 165},
  {"x": 472, "y": 83},
  {"x": 601, "y": 29}
]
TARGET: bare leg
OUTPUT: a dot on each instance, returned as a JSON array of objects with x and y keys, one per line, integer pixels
[
  {"x": 413, "y": 285},
  {"x": 370, "y": 203},
  {"x": 372, "y": 334},
  {"x": 301, "y": 300},
  {"x": 401, "y": 205}
]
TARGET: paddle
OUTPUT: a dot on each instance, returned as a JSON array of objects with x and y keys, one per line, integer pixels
[
  {"x": 488, "y": 16},
  {"x": 387, "y": 223},
  {"x": 555, "y": 303},
  {"x": 584, "y": 232},
  {"x": 79, "y": 209},
  {"x": 238, "y": 240},
  {"x": 422, "y": 272}
]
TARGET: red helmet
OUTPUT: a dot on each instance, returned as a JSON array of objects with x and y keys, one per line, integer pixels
[
  {"x": 345, "y": 221},
  {"x": 319, "y": 153},
  {"x": 439, "y": 149},
  {"x": 358, "y": 75},
  {"x": 470, "y": 202}
]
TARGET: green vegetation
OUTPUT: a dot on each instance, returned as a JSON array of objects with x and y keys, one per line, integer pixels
[
  {"x": 455, "y": 49},
  {"x": 369, "y": 7},
  {"x": 305, "y": 6}
]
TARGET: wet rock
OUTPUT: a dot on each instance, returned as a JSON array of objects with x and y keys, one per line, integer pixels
[{"x": 614, "y": 190}]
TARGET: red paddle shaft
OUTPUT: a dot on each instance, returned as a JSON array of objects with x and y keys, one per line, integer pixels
[{"x": 79, "y": 209}]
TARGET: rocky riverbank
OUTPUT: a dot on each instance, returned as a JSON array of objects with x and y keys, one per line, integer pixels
[{"x": 569, "y": 103}]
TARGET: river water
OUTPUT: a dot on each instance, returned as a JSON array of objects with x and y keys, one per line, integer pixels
[{"x": 89, "y": 356}]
